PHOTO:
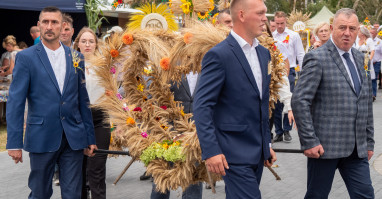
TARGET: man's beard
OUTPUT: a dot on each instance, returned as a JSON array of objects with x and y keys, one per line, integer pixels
[{"x": 49, "y": 39}]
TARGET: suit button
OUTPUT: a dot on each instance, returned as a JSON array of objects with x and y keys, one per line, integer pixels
[
  {"x": 62, "y": 103},
  {"x": 62, "y": 118}
]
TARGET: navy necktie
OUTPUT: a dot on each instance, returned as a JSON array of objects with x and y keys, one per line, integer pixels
[{"x": 353, "y": 72}]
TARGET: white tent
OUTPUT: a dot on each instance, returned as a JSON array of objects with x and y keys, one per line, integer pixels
[{"x": 323, "y": 15}]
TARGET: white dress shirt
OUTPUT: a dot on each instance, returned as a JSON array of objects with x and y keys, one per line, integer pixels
[
  {"x": 253, "y": 60},
  {"x": 378, "y": 49},
  {"x": 294, "y": 46},
  {"x": 341, "y": 52},
  {"x": 57, "y": 60},
  {"x": 192, "y": 78},
  {"x": 95, "y": 90}
]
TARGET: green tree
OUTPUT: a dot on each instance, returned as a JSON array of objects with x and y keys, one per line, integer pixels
[
  {"x": 277, "y": 5},
  {"x": 94, "y": 14}
]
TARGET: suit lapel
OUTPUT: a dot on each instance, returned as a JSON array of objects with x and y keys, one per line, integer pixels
[
  {"x": 68, "y": 58},
  {"x": 264, "y": 69},
  {"x": 338, "y": 60},
  {"x": 185, "y": 85},
  {"x": 243, "y": 61},
  {"x": 46, "y": 63}
]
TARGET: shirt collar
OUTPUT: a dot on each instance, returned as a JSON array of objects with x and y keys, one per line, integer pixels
[
  {"x": 242, "y": 42},
  {"x": 58, "y": 50},
  {"x": 341, "y": 52},
  {"x": 285, "y": 32}
]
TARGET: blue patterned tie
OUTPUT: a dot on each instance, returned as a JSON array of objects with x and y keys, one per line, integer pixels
[{"x": 353, "y": 72}]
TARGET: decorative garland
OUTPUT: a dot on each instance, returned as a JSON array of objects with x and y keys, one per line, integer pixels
[{"x": 148, "y": 121}]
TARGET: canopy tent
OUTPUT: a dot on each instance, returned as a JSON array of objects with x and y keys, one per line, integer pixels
[
  {"x": 323, "y": 15},
  {"x": 71, "y": 6}
]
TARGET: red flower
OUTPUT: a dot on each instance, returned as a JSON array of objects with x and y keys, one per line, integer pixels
[
  {"x": 114, "y": 53},
  {"x": 127, "y": 39},
  {"x": 164, "y": 107},
  {"x": 138, "y": 109},
  {"x": 119, "y": 1},
  {"x": 165, "y": 63}
]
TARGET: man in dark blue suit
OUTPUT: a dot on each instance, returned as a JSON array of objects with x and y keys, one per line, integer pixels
[
  {"x": 59, "y": 123},
  {"x": 231, "y": 103}
]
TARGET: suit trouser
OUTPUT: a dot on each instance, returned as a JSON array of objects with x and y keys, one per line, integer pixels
[
  {"x": 243, "y": 181},
  {"x": 42, "y": 170},
  {"x": 194, "y": 191},
  {"x": 96, "y": 166},
  {"x": 354, "y": 171},
  {"x": 377, "y": 69},
  {"x": 282, "y": 124}
]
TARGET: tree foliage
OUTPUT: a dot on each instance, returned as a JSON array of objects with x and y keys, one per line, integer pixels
[{"x": 94, "y": 14}]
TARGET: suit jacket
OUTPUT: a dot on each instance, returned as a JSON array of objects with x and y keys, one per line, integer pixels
[
  {"x": 50, "y": 113},
  {"x": 230, "y": 116},
  {"x": 182, "y": 93},
  {"x": 326, "y": 107}
]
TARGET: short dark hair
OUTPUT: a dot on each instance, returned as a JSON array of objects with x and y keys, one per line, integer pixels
[
  {"x": 225, "y": 11},
  {"x": 67, "y": 19},
  {"x": 281, "y": 14},
  {"x": 50, "y": 9}
]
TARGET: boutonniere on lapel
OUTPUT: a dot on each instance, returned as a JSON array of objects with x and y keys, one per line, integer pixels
[
  {"x": 286, "y": 39},
  {"x": 76, "y": 60}
]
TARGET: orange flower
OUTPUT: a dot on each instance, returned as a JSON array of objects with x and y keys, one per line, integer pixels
[
  {"x": 109, "y": 93},
  {"x": 114, "y": 53},
  {"x": 165, "y": 63},
  {"x": 130, "y": 121},
  {"x": 127, "y": 39},
  {"x": 187, "y": 38}
]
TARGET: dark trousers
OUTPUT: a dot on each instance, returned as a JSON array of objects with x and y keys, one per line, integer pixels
[
  {"x": 282, "y": 124},
  {"x": 194, "y": 191},
  {"x": 243, "y": 181},
  {"x": 377, "y": 70},
  {"x": 354, "y": 171},
  {"x": 96, "y": 166},
  {"x": 42, "y": 170}
]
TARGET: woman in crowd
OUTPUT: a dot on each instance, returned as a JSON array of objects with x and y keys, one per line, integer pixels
[
  {"x": 365, "y": 44},
  {"x": 10, "y": 44},
  {"x": 322, "y": 31},
  {"x": 87, "y": 43}
]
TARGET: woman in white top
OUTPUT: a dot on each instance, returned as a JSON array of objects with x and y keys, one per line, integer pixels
[
  {"x": 365, "y": 44},
  {"x": 87, "y": 43},
  {"x": 10, "y": 44}
]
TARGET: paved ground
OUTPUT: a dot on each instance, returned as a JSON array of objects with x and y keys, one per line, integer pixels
[{"x": 292, "y": 170}]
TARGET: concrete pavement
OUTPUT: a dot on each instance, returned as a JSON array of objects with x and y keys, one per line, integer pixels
[{"x": 292, "y": 170}]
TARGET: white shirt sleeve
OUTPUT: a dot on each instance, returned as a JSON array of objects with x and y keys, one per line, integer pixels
[
  {"x": 285, "y": 94},
  {"x": 370, "y": 44}
]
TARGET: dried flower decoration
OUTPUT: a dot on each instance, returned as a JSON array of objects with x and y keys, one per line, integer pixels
[
  {"x": 144, "y": 134},
  {"x": 165, "y": 63},
  {"x": 164, "y": 107},
  {"x": 114, "y": 53},
  {"x": 112, "y": 70},
  {"x": 119, "y": 96},
  {"x": 109, "y": 93},
  {"x": 139, "y": 109},
  {"x": 127, "y": 39},
  {"x": 130, "y": 121},
  {"x": 140, "y": 87},
  {"x": 187, "y": 38}
]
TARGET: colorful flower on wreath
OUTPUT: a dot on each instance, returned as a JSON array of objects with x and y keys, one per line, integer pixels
[
  {"x": 165, "y": 146},
  {"x": 186, "y": 6},
  {"x": 125, "y": 108},
  {"x": 187, "y": 37},
  {"x": 274, "y": 47},
  {"x": 164, "y": 107},
  {"x": 137, "y": 109},
  {"x": 119, "y": 96},
  {"x": 144, "y": 134},
  {"x": 286, "y": 39},
  {"x": 112, "y": 70},
  {"x": 297, "y": 68},
  {"x": 127, "y": 39},
  {"x": 111, "y": 139},
  {"x": 182, "y": 112},
  {"x": 212, "y": 6},
  {"x": 147, "y": 71},
  {"x": 144, "y": 98},
  {"x": 164, "y": 127},
  {"x": 165, "y": 63},
  {"x": 203, "y": 16},
  {"x": 114, "y": 53},
  {"x": 366, "y": 21},
  {"x": 140, "y": 87},
  {"x": 109, "y": 92},
  {"x": 214, "y": 18},
  {"x": 380, "y": 33},
  {"x": 130, "y": 121}
]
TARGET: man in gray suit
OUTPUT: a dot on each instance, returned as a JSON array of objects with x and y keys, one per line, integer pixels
[{"x": 332, "y": 105}]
